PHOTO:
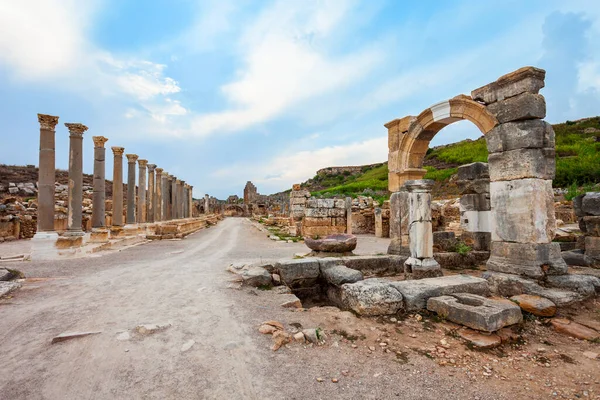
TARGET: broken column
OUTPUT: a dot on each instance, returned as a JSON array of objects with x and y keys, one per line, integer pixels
[
  {"x": 421, "y": 263},
  {"x": 474, "y": 185},
  {"x": 99, "y": 232},
  {"x": 150, "y": 196},
  {"x": 131, "y": 159},
  {"x": 587, "y": 209},
  {"x": 117, "y": 192},
  {"x": 191, "y": 201},
  {"x": 142, "y": 206},
  {"x": 378, "y": 222},
  {"x": 73, "y": 237},
  {"x": 158, "y": 195},
  {"x": 399, "y": 243},
  {"x": 44, "y": 239},
  {"x": 206, "y": 204},
  {"x": 522, "y": 165}
]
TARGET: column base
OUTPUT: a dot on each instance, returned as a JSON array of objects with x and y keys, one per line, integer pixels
[
  {"x": 116, "y": 232},
  {"x": 131, "y": 230},
  {"x": 415, "y": 268},
  {"x": 533, "y": 260},
  {"x": 70, "y": 240},
  {"x": 397, "y": 248},
  {"x": 43, "y": 246},
  {"x": 99, "y": 235}
]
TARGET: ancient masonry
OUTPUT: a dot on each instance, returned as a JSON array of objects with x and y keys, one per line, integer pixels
[{"x": 162, "y": 210}]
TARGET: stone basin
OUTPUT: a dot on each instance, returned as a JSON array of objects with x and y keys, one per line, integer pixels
[{"x": 340, "y": 243}]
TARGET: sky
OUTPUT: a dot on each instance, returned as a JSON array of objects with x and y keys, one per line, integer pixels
[{"x": 220, "y": 92}]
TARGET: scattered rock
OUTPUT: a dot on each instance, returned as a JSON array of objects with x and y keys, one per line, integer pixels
[
  {"x": 281, "y": 290},
  {"x": 508, "y": 335},
  {"x": 267, "y": 329},
  {"x": 280, "y": 338},
  {"x": 591, "y": 355},
  {"x": 480, "y": 340},
  {"x": 8, "y": 287},
  {"x": 276, "y": 279},
  {"x": 5, "y": 275},
  {"x": 149, "y": 329},
  {"x": 535, "y": 305},
  {"x": 72, "y": 335},
  {"x": 275, "y": 324},
  {"x": 574, "y": 329},
  {"x": 123, "y": 336},
  {"x": 291, "y": 301},
  {"x": 299, "y": 337},
  {"x": 187, "y": 345}
]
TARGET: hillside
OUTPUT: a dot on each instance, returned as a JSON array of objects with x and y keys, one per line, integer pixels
[{"x": 577, "y": 165}]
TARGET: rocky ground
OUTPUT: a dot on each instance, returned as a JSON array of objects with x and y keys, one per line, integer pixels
[{"x": 168, "y": 323}]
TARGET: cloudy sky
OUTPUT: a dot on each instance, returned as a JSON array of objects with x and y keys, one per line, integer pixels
[{"x": 219, "y": 92}]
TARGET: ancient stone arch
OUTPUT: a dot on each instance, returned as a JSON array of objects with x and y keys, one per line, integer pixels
[
  {"x": 521, "y": 149},
  {"x": 234, "y": 210}
]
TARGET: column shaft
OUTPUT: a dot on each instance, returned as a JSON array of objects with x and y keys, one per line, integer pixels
[
  {"x": 158, "y": 195},
  {"x": 99, "y": 195},
  {"x": 142, "y": 206},
  {"x": 174, "y": 198},
  {"x": 46, "y": 173},
  {"x": 117, "y": 191},
  {"x": 74, "y": 221},
  {"x": 151, "y": 196},
  {"x": 131, "y": 159}
]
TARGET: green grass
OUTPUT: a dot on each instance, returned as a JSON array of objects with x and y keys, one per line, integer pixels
[
  {"x": 462, "y": 153},
  {"x": 373, "y": 180},
  {"x": 578, "y": 153},
  {"x": 439, "y": 174}
]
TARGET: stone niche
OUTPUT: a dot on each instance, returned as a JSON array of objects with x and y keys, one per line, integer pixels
[{"x": 323, "y": 217}]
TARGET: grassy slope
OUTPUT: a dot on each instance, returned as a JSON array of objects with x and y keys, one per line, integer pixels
[{"x": 577, "y": 163}]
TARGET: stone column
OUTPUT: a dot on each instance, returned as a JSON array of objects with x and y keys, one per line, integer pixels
[
  {"x": 151, "y": 189},
  {"x": 74, "y": 235},
  {"x": 474, "y": 185},
  {"x": 191, "y": 201},
  {"x": 44, "y": 239},
  {"x": 399, "y": 244},
  {"x": 117, "y": 192},
  {"x": 206, "y": 204},
  {"x": 182, "y": 199},
  {"x": 378, "y": 222},
  {"x": 142, "y": 206},
  {"x": 158, "y": 195},
  {"x": 131, "y": 159},
  {"x": 99, "y": 232},
  {"x": 174, "y": 190},
  {"x": 348, "y": 215},
  {"x": 166, "y": 195},
  {"x": 421, "y": 263},
  {"x": 169, "y": 197}
]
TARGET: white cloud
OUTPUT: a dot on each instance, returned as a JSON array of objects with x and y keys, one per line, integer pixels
[
  {"x": 286, "y": 62},
  {"x": 286, "y": 169}
]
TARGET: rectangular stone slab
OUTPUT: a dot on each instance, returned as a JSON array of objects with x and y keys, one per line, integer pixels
[
  {"x": 417, "y": 292},
  {"x": 298, "y": 273},
  {"x": 476, "y": 312}
]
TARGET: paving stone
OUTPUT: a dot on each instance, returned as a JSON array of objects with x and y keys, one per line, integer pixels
[
  {"x": 535, "y": 305},
  {"x": 371, "y": 297},
  {"x": 339, "y": 274},
  {"x": 480, "y": 340},
  {"x": 417, "y": 292},
  {"x": 298, "y": 273},
  {"x": 574, "y": 329},
  {"x": 475, "y": 311}
]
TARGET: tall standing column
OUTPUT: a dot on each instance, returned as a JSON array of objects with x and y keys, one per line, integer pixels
[
  {"x": 174, "y": 198},
  {"x": 131, "y": 159},
  {"x": 165, "y": 196},
  {"x": 150, "y": 196},
  {"x": 421, "y": 263},
  {"x": 206, "y": 204},
  {"x": 45, "y": 237},
  {"x": 99, "y": 232},
  {"x": 117, "y": 191},
  {"x": 169, "y": 197},
  {"x": 141, "y": 207},
  {"x": 74, "y": 235},
  {"x": 191, "y": 201},
  {"x": 158, "y": 195},
  {"x": 181, "y": 194}
]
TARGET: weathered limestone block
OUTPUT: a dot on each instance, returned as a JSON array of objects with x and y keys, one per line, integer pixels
[
  {"x": 592, "y": 246},
  {"x": 590, "y": 203},
  {"x": 317, "y": 212},
  {"x": 475, "y": 186},
  {"x": 522, "y": 163},
  {"x": 416, "y": 268},
  {"x": 336, "y": 212},
  {"x": 444, "y": 241},
  {"x": 530, "y": 134},
  {"x": 479, "y": 241},
  {"x": 529, "y": 259},
  {"x": 536, "y": 305},
  {"x": 523, "y": 211},
  {"x": 476, "y": 221},
  {"x": 298, "y": 273},
  {"x": 371, "y": 297},
  {"x": 313, "y": 221},
  {"x": 475, "y": 311},
  {"x": 578, "y": 258},
  {"x": 475, "y": 202},
  {"x": 476, "y": 170},
  {"x": 592, "y": 225},
  {"x": 587, "y": 285},
  {"x": 378, "y": 222},
  {"x": 389, "y": 265},
  {"x": 398, "y": 222},
  {"x": 521, "y": 107},
  {"x": 338, "y": 275},
  {"x": 417, "y": 292},
  {"x": 523, "y": 80}
]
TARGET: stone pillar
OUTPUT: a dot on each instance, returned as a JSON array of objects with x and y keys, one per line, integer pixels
[
  {"x": 348, "y": 215},
  {"x": 117, "y": 192},
  {"x": 378, "y": 222},
  {"x": 158, "y": 195},
  {"x": 399, "y": 245},
  {"x": 206, "y": 204},
  {"x": 44, "y": 239},
  {"x": 169, "y": 197},
  {"x": 191, "y": 201},
  {"x": 74, "y": 235},
  {"x": 421, "y": 263},
  {"x": 182, "y": 199},
  {"x": 474, "y": 185},
  {"x": 99, "y": 232},
  {"x": 131, "y": 159},
  {"x": 142, "y": 206},
  {"x": 166, "y": 194},
  {"x": 174, "y": 198},
  {"x": 522, "y": 165},
  {"x": 151, "y": 189}
]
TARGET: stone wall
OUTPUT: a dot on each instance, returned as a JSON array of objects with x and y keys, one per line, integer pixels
[
  {"x": 350, "y": 170},
  {"x": 298, "y": 199},
  {"x": 475, "y": 209},
  {"x": 324, "y": 217},
  {"x": 587, "y": 209}
]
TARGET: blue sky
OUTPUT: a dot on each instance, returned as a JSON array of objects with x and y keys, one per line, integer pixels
[{"x": 219, "y": 92}]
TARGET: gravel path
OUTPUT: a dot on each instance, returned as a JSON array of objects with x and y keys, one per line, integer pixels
[{"x": 184, "y": 284}]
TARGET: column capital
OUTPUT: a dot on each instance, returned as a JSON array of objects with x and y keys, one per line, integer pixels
[
  {"x": 131, "y": 158},
  {"x": 170, "y": 177},
  {"x": 118, "y": 151},
  {"x": 178, "y": 181},
  {"x": 47, "y": 122},
  {"x": 142, "y": 163},
  {"x": 159, "y": 171},
  {"x": 76, "y": 129},
  {"x": 151, "y": 167},
  {"x": 99, "y": 141}
]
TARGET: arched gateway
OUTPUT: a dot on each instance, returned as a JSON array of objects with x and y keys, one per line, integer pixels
[{"x": 521, "y": 149}]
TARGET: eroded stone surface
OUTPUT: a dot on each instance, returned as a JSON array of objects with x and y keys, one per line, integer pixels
[
  {"x": 480, "y": 340},
  {"x": 298, "y": 273},
  {"x": 340, "y": 274},
  {"x": 535, "y": 305},
  {"x": 340, "y": 243},
  {"x": 574, "y": 329},
  {"x": 371, "y": 297},
  {"x": 475, "y": 311},
  {"x": 8, "y": 287}
]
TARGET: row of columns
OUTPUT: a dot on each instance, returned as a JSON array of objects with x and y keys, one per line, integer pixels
[{"x": 160, "y": 196}]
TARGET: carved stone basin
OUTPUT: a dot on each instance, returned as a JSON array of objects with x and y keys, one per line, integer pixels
[{"x": 340, "y": 243}]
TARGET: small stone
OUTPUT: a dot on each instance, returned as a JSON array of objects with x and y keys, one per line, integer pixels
[
  {"x": 299, "y": 337},
  {"x": 187, "y": 345},
  {"x": 480, "y": 340},
  {"x": 276, "y": 324},
  {"x": 372, "y": 348},
  {"x": 319, "y": 379},
  {"x": 280, "y": 338},
  {"x": 334, "y": 380},
  {"x": 291, "y": 302},
  {"x": 574, "y": 329},
  {"x": 148, "y": 329},
  {"x": 535, "y": 305},
  {"x": 267, "y": 329},
  {"x": 591, "y": 355}
]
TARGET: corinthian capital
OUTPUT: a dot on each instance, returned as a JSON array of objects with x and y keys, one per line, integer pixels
[
  {"x": 118, "y": 151},
  {"x": 142, "y": 163},
  {"x": 76, "y": 129},
  {"x": 151, "y": 167},
  {"x": 99, "y": 141},
  {"x": 131, "y": 158},
  {"x": 47, "y": 122}
]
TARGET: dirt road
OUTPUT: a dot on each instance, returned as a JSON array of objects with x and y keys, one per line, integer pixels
[{"x": 210, "y": 347}]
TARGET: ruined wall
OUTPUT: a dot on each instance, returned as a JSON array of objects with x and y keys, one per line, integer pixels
[
  {"x": 475, "y": 207},
  {"x": 587, "y": 209},
  {"x": 351, "y": 170},
  {"x": 298, "y": 200},
  {"x": 324, "y": 217}
]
